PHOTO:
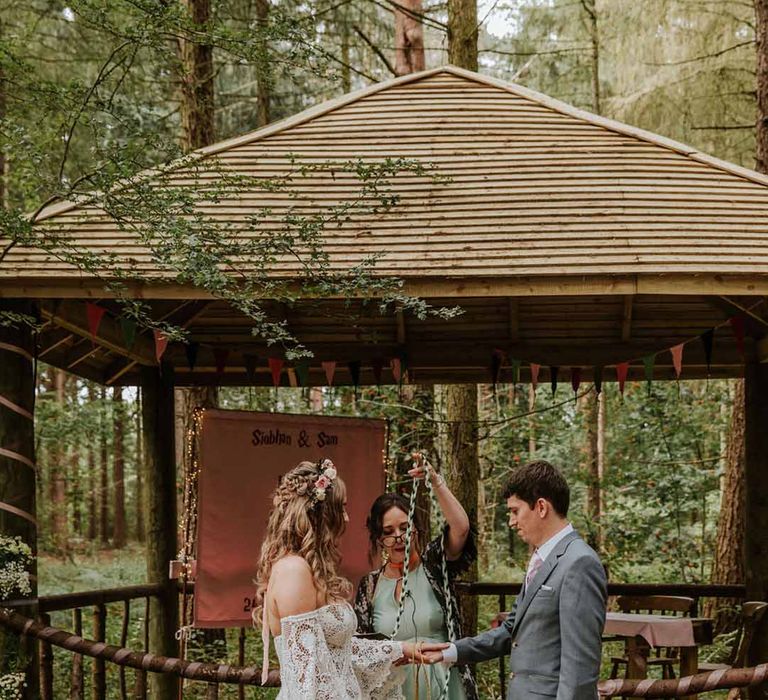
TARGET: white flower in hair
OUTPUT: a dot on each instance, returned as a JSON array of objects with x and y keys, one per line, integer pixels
[{"x": 330, "y": 472}]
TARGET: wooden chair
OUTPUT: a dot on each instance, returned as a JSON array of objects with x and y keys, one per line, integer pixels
[
  {"x": 665, "y": 657},
  {"x": 751, "y": 614}
]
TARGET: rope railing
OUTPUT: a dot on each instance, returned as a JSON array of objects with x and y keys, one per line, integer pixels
[
  {"x": 142, "y": 661},
  {"x": 251, "y": 675},
  {"x": 688, "y": 685}
]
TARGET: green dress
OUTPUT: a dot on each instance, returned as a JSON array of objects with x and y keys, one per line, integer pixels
[{"x": 422, "y": 624}]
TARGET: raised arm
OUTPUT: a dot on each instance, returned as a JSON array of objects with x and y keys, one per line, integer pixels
[{"x": 454, "y": 513}]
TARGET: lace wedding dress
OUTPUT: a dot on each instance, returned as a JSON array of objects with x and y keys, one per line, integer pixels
[{"x": 320, "y": 659}]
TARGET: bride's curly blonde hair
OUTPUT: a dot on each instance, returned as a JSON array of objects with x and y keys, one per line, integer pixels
[{"x": 300, "y": 524}]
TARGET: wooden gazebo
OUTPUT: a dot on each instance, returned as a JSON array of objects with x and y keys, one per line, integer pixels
[{"x": 568, "y": 240}]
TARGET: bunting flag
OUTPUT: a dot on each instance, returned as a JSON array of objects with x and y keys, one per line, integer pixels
[
  {"x": 515, "y": 371},
  {"x": 622, "y": 369},
  {"x": 191, "y": 350},
  {"x": 497, "y": 360},
  {"x": 354, "y": 372},
  {"x": 553, "y": 379},
  {"x": 95, "y": 313},
  {"x": 276, "y": 367},
  {"x": 707, "y": 339},
  {"x": 220, "y": 356},
  {"x": 737, "y": 324},
  {"x": 575, "y": 379},
  {"x": 397, "y": 368},
  {"x": 597, "y": 378},
  {"x": 329, "y": 367},
  {"x": 302, "y": 372},
  {"x": 648, "y": 362},
  {"x": 293, "y": 381},
  {"x": 535, "y": 375},
  {"x": 677, "y": 359},
  {"x": 128, "y": 329},
  {"x": 377, "y": 365},
  {"x": 161, "y": 344},
  {"x": 250, "y": 366}
]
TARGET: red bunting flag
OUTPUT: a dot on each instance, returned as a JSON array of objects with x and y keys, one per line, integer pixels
[
  {"x": 677, "y": 358},
  {"x": 330, "y": 369},
  {"x": 737, "y": 324},
  {"x": 276, "y": 367},
  {"x": 220, "y": 356},
  {"x": 575, "y": 379},
  {"x": 397, "y": 368},
  {"x": 535, "y": 375},
  {"x": 621, "y": 375},
  {"x": 161, "y": 344},
  {"x": 95, "y": 313}
]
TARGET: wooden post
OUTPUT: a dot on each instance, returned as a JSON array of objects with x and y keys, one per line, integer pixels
[
  {"x": 756, "y": 489},
  {"x": 161, "y": 518},
  {"x": 17, "y": 471}
]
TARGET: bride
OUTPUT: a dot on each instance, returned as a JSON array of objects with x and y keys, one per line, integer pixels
[{"x": 304, "y": 600}]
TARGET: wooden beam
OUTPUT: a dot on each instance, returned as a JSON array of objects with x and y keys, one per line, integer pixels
[
  {"x": 444, "y": 286},
  {"x": 745, "y": 310},
  {"x": 54, "y": 340},
  {"x": 72, "y": 316},
  {"x": 626, "y": 318}
]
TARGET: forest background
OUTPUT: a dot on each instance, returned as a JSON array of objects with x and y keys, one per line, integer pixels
[{"x": 93, "y": 91}]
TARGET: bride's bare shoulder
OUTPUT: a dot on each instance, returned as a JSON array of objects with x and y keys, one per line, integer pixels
[{"x": 292, "y": 586}]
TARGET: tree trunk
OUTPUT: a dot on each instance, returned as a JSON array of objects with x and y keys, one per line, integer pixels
[
  {"x": 462, "y": 470},
  {"x": 59, "y": 521},
  {"x": 409, "y": 37},
  {"x": 590, "y": 406},
  {"x": 196, "y": 59},
  {"x": 462, "y": 33},
  {"x": 162, "y": 545},
  {"x": 103, "y": 470},
  {"x": 141, "y": 532},
  {"x": 590, "y": 7},
  {"x": 118, "y": 468},
  {"x": 761, "y": 38},
  {"x": 17, "y": 475},
  {"x": 93, "y": 519},
  {"x": 263, "y": 72},
  {"x": 728, "y": 566}
]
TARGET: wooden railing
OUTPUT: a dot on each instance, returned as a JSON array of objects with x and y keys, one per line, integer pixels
[{"x": 93, "y": 606}]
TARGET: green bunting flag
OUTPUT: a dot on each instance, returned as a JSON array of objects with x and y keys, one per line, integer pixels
[
  {"x": 128, "y": 329},
  {"x": 648, "y": 363}
]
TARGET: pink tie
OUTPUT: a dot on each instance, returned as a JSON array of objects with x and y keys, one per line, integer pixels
[{"x": 536, "y": 562}]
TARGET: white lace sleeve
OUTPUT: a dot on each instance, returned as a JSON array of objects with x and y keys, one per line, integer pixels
[
  {"x": 373, "y": 661},
  {"x": 307, "y": 669}
]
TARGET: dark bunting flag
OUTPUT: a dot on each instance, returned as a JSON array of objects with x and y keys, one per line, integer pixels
[
  {"x": 191, "y": 350},
  {"x": 648, "y": 363},
  {"x": 553, "y": 371},
  {"x": 515, "y": 371},
  {"x": 597, "y": 374},
  {"x": 302, "y": 372},
  {"x": 575, "y": 379},
  {"x": 497, "y": 360},
  {"x": 250, "y": 362},
  {"x": 128, "y": 329},
  {"x": 354, "y": 372}
]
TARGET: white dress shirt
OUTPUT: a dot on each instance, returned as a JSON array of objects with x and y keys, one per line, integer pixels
[{"x": 450, "y": 655}]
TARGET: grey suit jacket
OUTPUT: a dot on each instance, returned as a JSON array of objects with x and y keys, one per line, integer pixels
[{"x": 553, "y": 633}]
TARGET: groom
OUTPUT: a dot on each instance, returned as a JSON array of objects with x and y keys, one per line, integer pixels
[{"x": 553, "y": 633}]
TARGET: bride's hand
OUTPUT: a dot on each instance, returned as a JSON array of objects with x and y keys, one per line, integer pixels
[{"x": 412, "y": 654}]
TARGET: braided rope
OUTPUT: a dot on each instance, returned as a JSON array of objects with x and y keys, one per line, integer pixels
[
  {"x": 144, "y": 661},
  {"x": 450, "y": 603},
  {"x": 688, "y": 685},
  {"x": 406, "y": 565}
]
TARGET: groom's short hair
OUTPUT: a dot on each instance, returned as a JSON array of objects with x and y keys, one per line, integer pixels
[{"x": 539, "y": 479}]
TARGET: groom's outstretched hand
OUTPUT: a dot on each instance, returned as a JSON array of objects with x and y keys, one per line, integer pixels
[
  {"x": 433, "y": 651},
  {"x": 422, "y": 653}
]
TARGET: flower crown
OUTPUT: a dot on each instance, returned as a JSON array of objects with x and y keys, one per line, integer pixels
[{"x": 324, "y": 481}]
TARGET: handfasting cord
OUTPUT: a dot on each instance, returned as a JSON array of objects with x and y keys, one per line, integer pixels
[{"x": 406, "y": 565}]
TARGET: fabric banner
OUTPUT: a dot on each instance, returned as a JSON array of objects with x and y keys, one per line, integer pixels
[{"x": 242, "y": 454}]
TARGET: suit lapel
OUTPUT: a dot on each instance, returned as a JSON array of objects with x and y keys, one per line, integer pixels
[{"x": 542, "y": 575}]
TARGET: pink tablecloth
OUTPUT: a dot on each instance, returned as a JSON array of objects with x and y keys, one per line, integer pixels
[{"x": 657, "y": 630}]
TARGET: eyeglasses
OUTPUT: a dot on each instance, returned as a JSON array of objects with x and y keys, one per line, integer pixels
[{"x": 391, "y": 540}]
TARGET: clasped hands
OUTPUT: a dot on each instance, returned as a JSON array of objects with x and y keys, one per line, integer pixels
[{"x": 422, "y": 653}]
